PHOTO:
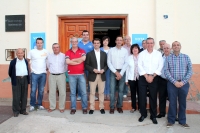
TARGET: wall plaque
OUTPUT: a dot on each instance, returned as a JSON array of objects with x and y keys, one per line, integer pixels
[{"x": 14, "y": 23}]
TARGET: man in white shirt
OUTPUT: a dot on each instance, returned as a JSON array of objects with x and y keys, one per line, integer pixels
[
  {"x": 19, "y": 74},
  {"x": 150, "y": 64},
  {"x": 116, "y": 63},
  {"x": 37, "y": 60},
  {"x": 127, "y": 46},
  {"x": 57, "y": 67}
]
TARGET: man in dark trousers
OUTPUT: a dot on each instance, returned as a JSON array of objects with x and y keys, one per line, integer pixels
[
  {"x": 19, "y": 74},
  {"x": 162, "y": 84},
  {"x": 150, "y": 64},
  {"x": 96, "y": 64}
]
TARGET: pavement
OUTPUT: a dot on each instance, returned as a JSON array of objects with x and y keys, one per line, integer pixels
[{"x": 41, "y": 121}]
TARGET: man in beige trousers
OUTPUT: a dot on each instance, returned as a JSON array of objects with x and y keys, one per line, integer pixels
[
  {"x": 96, "y": 64},
  {"x": 57, "y": 79}
]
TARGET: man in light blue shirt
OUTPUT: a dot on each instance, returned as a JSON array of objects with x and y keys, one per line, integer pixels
[
  {"x": 117, "y": 64},
  {"x": 85, "y": 43}
]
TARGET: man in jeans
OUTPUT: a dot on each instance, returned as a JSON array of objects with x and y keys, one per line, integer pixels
[
  {"x": 178, "y": 71},
  {"x": 75, "y": 58},
  {"x": 87, "y": 46},
  {"x": 116, "y": 63},
  {"x": 38, "y": 68}
]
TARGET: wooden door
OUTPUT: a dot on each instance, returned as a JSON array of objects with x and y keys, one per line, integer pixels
[{"x": 69, "y": 28}]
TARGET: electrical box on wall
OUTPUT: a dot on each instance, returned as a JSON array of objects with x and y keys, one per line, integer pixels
[{"x": 10, "y": 54}]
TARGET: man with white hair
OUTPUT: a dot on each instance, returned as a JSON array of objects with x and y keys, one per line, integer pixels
[
  {"x": 162, "y": 84},
  {"x": 127, "y": 46},
  {"x": 161, "y": 43},
  {"x": 19, "y": 74}
]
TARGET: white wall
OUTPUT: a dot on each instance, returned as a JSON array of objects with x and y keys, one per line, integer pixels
[
  {"x": 12, "y": 40},
  {"x": 144, "y": 16},
  {"x": 141, "y": 18}
]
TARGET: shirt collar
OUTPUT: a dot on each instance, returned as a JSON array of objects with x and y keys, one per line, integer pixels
[
  {"x": 150, "y": 53},
  {"x": 126, "y": 45},
  {"x": 20, "y": 60},
  {"x": 96, "y": 51},
  {"x": 85, "y": 43},
  {"x": 118, "y": 48},
  {"x": 178, "y": 54},
  {"x": 56, "y": 54},
  {"x": 71, "y": 48}
]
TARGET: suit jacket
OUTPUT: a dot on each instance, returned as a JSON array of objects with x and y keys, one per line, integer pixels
[
  {"x": 12, "y": 71},
  {"x": 91, "y": 64}
]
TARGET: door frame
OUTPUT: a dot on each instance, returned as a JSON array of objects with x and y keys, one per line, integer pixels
[{"x": 99, "y": 16}]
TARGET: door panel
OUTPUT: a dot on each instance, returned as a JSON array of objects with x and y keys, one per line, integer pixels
[{"x": 73, "y": 28}]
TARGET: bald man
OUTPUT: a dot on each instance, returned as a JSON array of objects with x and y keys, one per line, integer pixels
[
  {"x": 162, "y": 84},
  {"x": 19, "y": 74},
  {"x": 127, "y": 46}
]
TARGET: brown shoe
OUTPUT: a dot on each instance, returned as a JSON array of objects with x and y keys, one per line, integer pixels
[
  {"x": 112, "y": 111},
  {"x": 169, "y": 125},
  {"x": 120, "y": 110},
  {"x": 73, "y": 111},
  {"x": 185, "y": 125},
  {"x": 84, "y": 111},
  {"x": 25, "y": 113}
]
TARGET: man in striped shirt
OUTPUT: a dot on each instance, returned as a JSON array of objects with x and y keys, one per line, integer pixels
[{"x": 178, "y": 70}]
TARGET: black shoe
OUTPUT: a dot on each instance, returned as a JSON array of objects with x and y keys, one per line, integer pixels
[
  {"x": 176, "y": 119},
  {"x": 16, "y": 115},
  {"x": 160, "y": 116},
  {"x": 154, "y": 120},
  {"x": 102, "y": 111},
  {"x": 141, "y": 118},
  {"x": 91, "y": 111}
]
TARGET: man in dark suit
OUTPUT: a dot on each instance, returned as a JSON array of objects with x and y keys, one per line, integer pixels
[
  {"x": 19, "y": 74},
  {"x": 96, "y": 64}
]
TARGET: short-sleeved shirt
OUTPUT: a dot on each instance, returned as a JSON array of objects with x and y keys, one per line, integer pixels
[
  {"x": 75, "y": 69},
  {"x": 38, "y": 60},
  {"x": 86, "y": 47}
]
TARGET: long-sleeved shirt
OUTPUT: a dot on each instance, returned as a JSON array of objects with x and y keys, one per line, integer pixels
[
  {"x": 127, "y": 48},
  {"x": 178, "y": 68},
  {"x": 117, "y": 59},
  {"x": 150, "y": 63},
  {"x": 56, "y": 63},
  {"x": 21, "y": 68}
]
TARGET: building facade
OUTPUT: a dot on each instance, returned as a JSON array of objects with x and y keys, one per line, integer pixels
[{"x": 52, "y": 17}]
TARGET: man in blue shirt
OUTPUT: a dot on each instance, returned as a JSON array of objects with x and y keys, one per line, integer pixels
[
  {"x": 178, "y": 71},
  {"x": 86, "y": 45}
]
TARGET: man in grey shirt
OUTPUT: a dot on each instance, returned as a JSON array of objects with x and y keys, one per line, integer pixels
[{"x": 57, "y": 79}]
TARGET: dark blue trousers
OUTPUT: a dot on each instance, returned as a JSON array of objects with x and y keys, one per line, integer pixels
[{"x": 175, "y": 93}]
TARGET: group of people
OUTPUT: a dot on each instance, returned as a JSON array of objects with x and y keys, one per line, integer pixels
[{"x": 162, "y": 73}]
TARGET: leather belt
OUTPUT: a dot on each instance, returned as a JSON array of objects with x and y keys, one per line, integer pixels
[
  {"x": 150, "y": 74},
  {"x": 56, "y": 74},
  {"x": 20, "y": 76},
  {"x": 179, "y": 80}
]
